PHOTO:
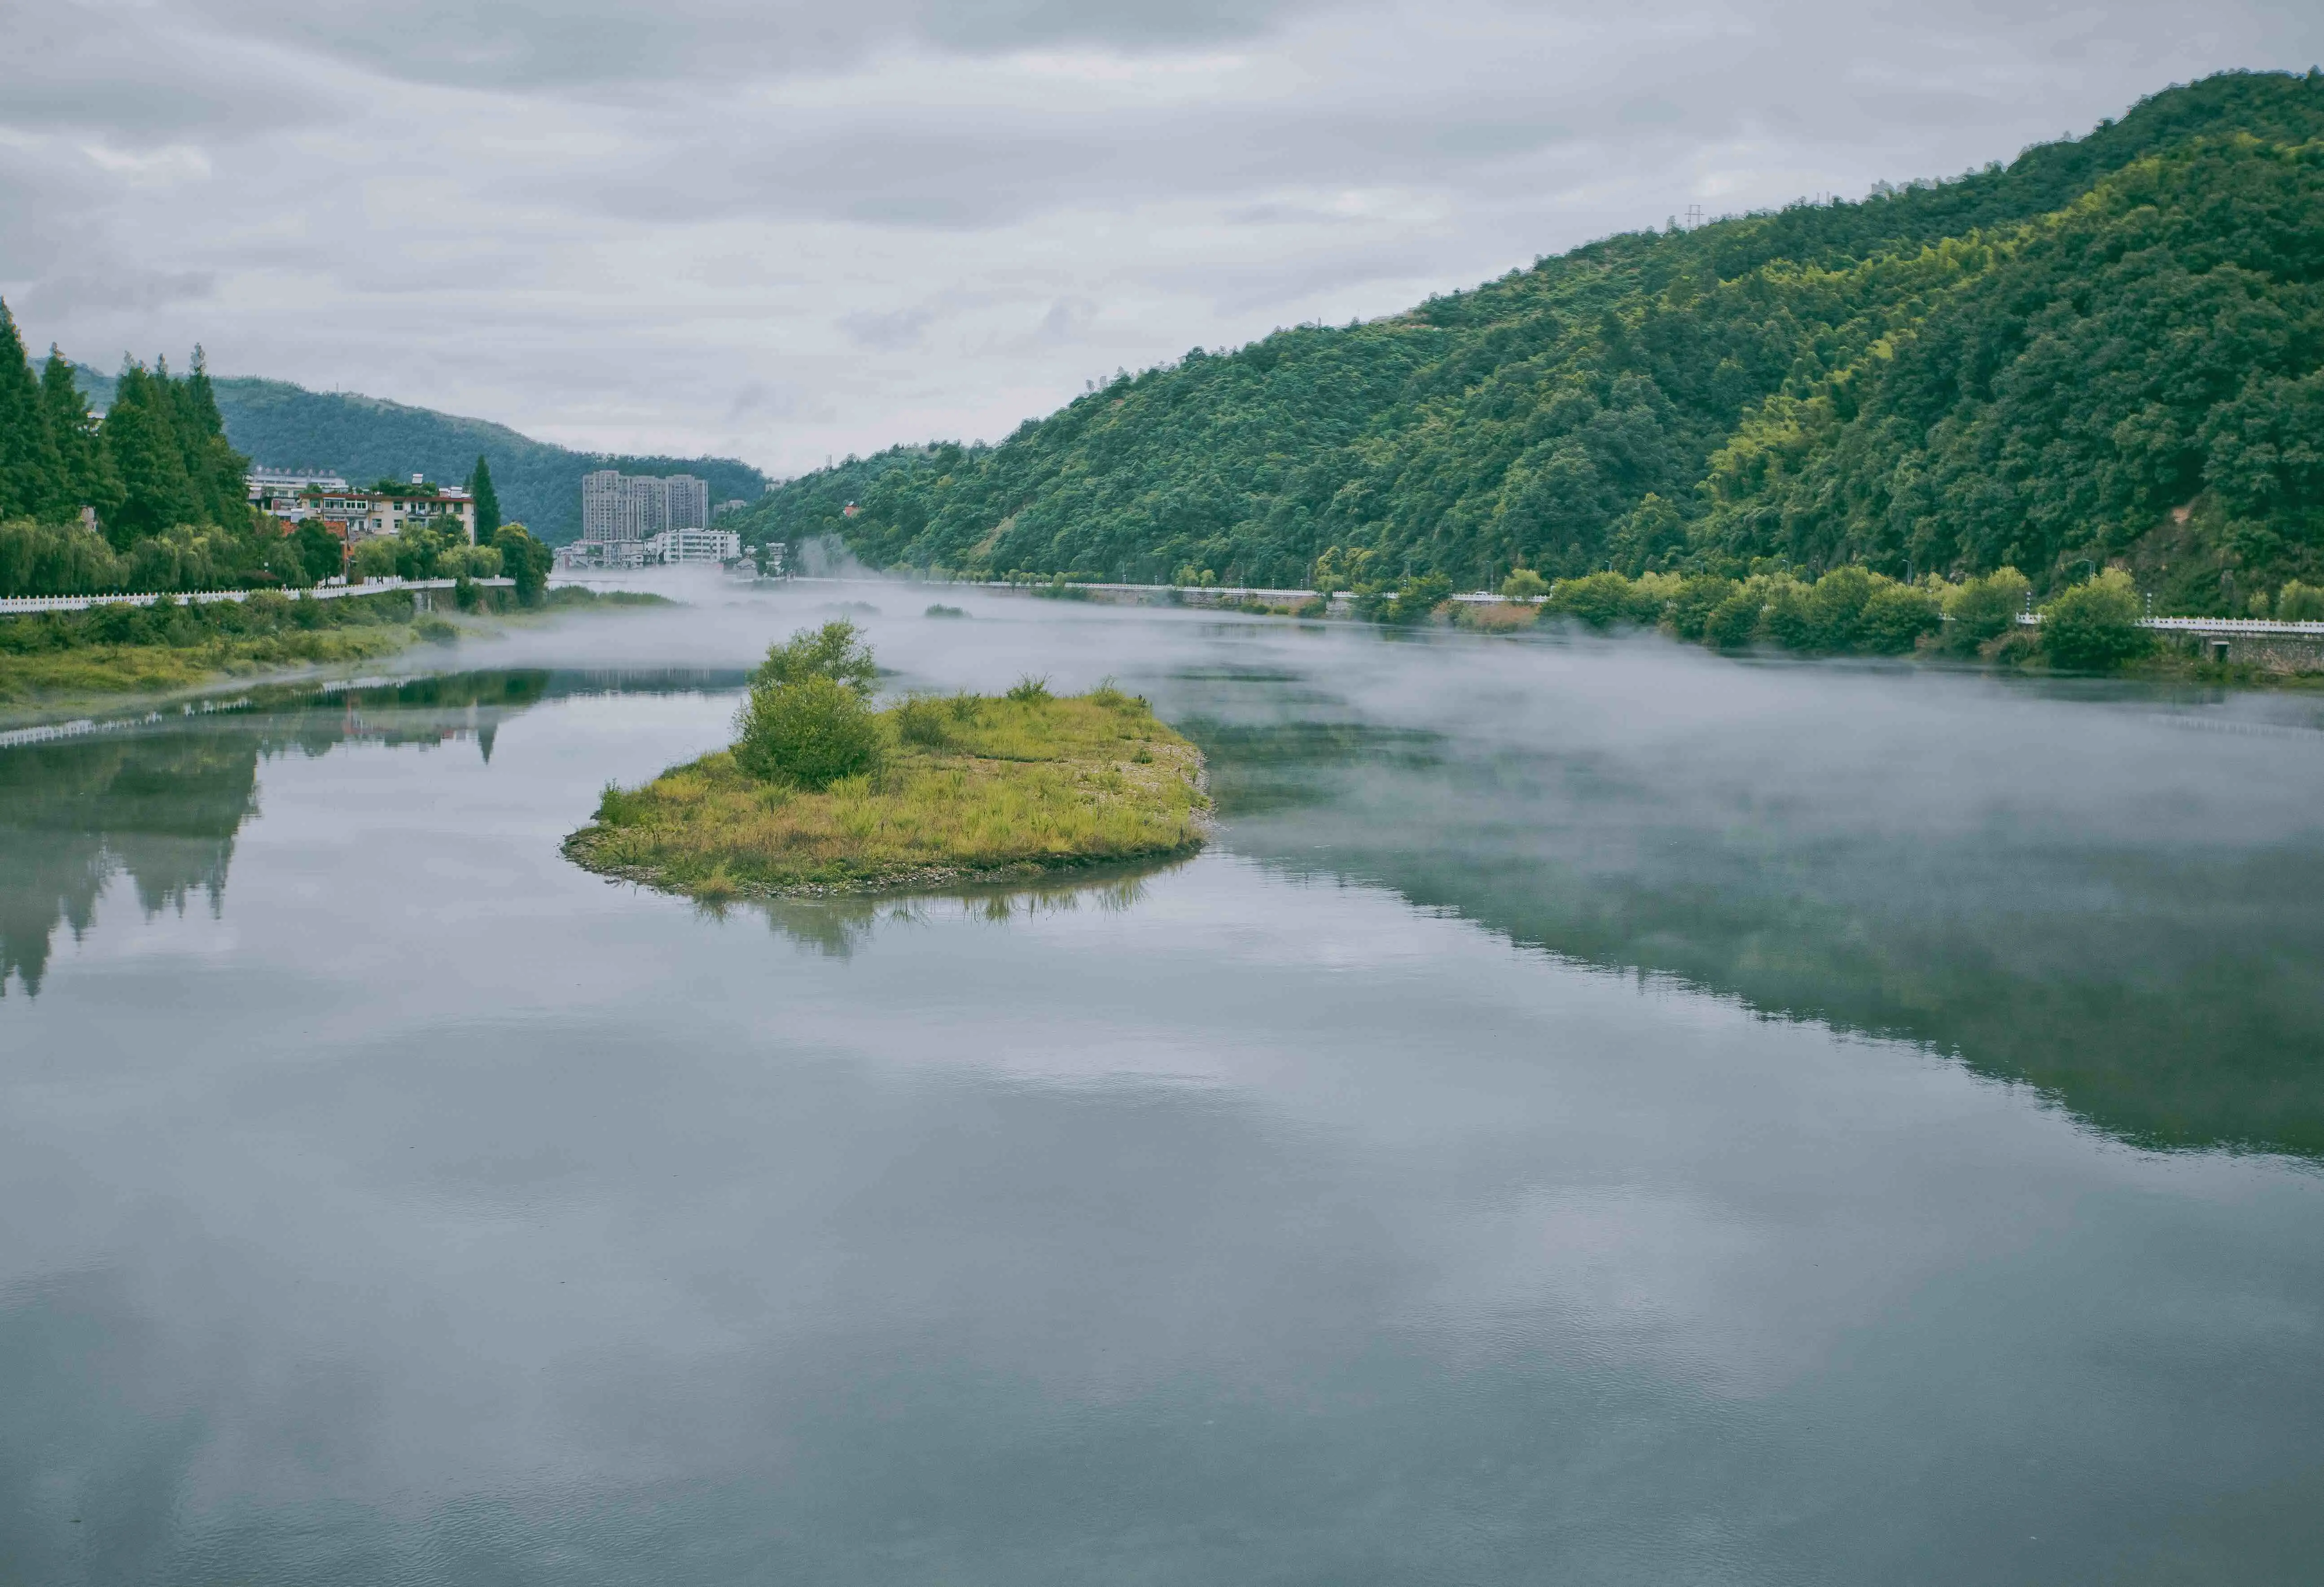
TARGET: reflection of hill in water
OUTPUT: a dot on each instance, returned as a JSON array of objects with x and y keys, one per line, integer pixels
[
  {"x": 2172, "y": 997},
  {"x": 159, "y": 801}
]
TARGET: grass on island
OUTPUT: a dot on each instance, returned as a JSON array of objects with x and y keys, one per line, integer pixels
[{"x": 970, "y": 788}]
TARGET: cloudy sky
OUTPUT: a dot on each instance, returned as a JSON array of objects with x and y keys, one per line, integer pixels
[{"x": 779, "y": 230}]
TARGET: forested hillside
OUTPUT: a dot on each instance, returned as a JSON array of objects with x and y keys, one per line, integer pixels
[
  {"x": 365, "y": 438},
  {"x": 2108, "y": 351}
]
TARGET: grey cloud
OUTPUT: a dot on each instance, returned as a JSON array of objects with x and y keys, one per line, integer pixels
[
  {"x": 897, "y": 332},
  {"x": 683, "y": 225},
  {"x": 145, "y": 73},
  {"x": 761, "y": 399},
  {"x": 1067, "y": 321},
  {"x": 114, "y": 288},
  {"x": 615, "y": 46}
]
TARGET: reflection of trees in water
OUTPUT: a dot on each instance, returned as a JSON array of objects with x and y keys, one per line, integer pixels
[
  {"x": 161, "y": 802},
  {"x": 837, "y": 926},
  {"x": 2171, "y": 996}
]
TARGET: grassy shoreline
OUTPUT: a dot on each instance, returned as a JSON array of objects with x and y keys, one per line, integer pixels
[
  {"x": 55, "y": 660},
  {"x": 973, "y": 790}
]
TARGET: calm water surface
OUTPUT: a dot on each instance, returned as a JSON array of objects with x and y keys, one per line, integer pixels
[{"x": 1601, "y": 1113}]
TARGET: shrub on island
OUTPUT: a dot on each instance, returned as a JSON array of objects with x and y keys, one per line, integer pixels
[{"x": 820, "y": 793}]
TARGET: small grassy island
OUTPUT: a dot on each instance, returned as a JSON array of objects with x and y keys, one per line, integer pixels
[{"x": 821, "y": 794}]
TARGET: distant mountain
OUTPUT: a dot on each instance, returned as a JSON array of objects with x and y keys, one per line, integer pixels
[
  {"x": 364, "y": 439},
  {"x": 2110, "y": 350}
]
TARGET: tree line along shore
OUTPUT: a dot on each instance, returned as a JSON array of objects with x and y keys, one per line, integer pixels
[{"x": 153, "y": 499}]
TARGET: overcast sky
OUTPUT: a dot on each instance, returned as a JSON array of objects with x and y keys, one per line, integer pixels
[{"x": 780, "y": 230}]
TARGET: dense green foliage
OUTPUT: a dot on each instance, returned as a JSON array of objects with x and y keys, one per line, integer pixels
[
  {"x": 151, "y": 498},
  {"x": 2111, "y": 350},
  {"x": 2094, "y": 626},
  {"x": 835, "y": 651},
  {"x": 810, "y": 733},
  {"x": 2089, "y": 627},
  {"x": 526, "y": 560},
  {"x": 362, "y": 437},
  {"x": 807, "y": 719}
]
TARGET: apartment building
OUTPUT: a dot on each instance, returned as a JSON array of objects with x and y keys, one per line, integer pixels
[{"x": 616, "y": 507}]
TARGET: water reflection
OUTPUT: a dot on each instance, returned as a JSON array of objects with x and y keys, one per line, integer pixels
[
  {"x": 2171, "y": 996},
  {"x": 159, "y": 798},
  {"x": 839, "y": 926}
]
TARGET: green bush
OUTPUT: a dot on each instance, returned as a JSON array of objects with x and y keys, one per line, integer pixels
[
  {"x": 924, "y": 721},
  {"x": 1405, "y": 603},
  {"x": 1525, "y": 584},
  {"x": 2094, "y": 627},
  {"x": 1734, "y": 620},
  {"x": 1785, "y": 616},
  {"x": 1984, "y": 609},
  {"x": 1601, "y": 600},
  {"x": 1836, "y": 604},
  {"x": 834, "y": 651},
  {"x": 1689, "y": 612},
  {"x": 2300, "y": 604},
  {"x": 1894, "y": 616},
  {"x": 1029, "y": 690},
  {"x": 526, "y": 560},
  {"x": 812, "y": 732}
]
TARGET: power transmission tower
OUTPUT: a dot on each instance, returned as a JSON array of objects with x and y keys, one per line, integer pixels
[{"x": 1694, "y": 215}]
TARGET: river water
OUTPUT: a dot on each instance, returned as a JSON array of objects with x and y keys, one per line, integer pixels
[{"x": 1601, "y": 1113}]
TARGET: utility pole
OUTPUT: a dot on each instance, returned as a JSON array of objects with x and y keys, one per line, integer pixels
[{"x": 1694, "y": 215}]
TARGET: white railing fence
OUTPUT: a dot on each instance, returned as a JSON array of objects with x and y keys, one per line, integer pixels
[{"x": 11, "y": 605}]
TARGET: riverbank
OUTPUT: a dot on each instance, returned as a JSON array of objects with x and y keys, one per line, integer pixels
[
  {"x": 972, "y": 789},
  {"x": 59, "y": 658}
]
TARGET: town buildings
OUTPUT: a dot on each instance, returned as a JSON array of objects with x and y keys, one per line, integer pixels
[
  {"x": 281, "y": 491},
  {"x": 355, "y": 514},
  {"x": 669, "y": 547},
  {"x": 621, "y": 515},
  {"x": 617, "y": 507},
  {"x": 674, "y": 545}
]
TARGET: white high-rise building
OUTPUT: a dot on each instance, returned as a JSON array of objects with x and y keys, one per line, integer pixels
[
  {"x": 606, "y": 515},
  {"x": 688, "y": 502},
  {"x": 616, "y": 507}
]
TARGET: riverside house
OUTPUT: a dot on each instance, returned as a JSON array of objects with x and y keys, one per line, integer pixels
[{"x": 356, "y": 515}]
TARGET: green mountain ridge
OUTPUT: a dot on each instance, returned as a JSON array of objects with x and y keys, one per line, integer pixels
[
  {"x": 365, "y": 438},
  {"x": 2110, "y": 350}
]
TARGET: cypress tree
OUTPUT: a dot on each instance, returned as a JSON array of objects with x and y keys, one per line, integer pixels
[
  {"x": 488, "y": 503},
  {"x": 219, "y": 473},
  {"x": 85, "y": 472},
  {"x": 141, "y": 434},
  {"x": 28, "y": 455}
]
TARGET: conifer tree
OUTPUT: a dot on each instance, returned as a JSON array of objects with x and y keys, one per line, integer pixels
[
  {"x": 27, "y": 455},
  {"x": 85, "y": 472},
  {"x": 219, "y": 473},
  {"x": 141, "y": 434},
  {"x": 488, "y": 501}
]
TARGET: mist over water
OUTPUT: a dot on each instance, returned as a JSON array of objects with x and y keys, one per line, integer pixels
[{"x": 1601, "y": 1112}]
